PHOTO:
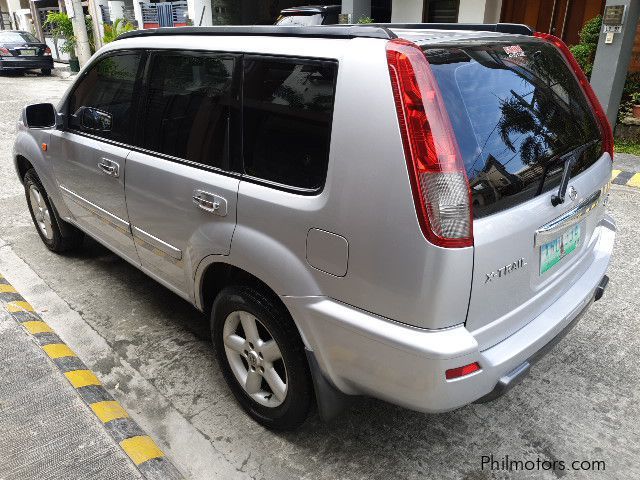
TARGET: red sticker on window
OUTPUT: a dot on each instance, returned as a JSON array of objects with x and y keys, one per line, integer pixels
[{"x": 514, "y": 51}]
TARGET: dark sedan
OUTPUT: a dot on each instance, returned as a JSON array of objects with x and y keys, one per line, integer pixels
[{"x": 22, "y": 51}]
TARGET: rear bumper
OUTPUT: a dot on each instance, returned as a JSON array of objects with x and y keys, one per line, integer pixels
[
  {"x": 361, "y": 353},
  {"x": 26, "y": 62}
]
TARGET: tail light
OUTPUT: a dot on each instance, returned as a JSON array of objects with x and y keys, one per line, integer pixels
[
  {"x": 603, "y": 121},
  {"x": 4, "y": 51},
  {"x": 438, "y": 178},
  {"x": 47, "y": 51}
]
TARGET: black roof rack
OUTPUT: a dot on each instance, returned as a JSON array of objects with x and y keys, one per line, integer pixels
[
  {"x": 514, "y": 28},
  {"x": 371, "y": 30},
  {"x": 329, "y": 31}
]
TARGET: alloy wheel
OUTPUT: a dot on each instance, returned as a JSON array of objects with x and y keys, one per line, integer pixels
[
  {"x": 41, "y": 212},
  {"x": 255, "y": 358}
]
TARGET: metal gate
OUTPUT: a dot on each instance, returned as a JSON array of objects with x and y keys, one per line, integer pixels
[
  {"x": 5, "y": 21},
  {"x": 165, "y": 14}
]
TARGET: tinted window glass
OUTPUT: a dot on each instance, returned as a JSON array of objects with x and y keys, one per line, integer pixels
[
  {"x": 514, "y": 109},
  {"x": 288, "y": 107},
  {"x": 107, "y": 91},
  {"x": 17, "y": 37},
  {"x": 189, "y": 102}
]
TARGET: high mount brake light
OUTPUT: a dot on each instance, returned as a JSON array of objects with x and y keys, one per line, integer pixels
[
  {"x": 603, "y": 121},
  {"x": 438, "y": 177}
]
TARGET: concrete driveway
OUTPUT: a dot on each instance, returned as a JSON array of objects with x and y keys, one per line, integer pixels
[{"x": 151, "y": 350}]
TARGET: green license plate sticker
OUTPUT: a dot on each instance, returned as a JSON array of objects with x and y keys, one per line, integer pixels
[{"x": 551, "y": 253}]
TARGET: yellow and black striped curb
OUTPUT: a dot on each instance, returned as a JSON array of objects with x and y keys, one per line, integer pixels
[
  {"x": 630, "y": 179},
  {"x": 138, "y": 446}
]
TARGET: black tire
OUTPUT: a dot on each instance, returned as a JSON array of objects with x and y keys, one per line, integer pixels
[
  {"x": 46, "y": 71},
  {"x": 59, "y": 239},
  {"x": 295, "y": 406}
]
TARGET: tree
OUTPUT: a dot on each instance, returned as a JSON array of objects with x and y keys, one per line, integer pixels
[{"x": 585, "y": 51}]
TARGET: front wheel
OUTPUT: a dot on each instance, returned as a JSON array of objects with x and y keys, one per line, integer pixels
[
  {"x": 44, "y": 217},
  {"x": 262, "y": 357}
]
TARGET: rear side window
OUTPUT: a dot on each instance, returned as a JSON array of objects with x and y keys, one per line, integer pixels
[
  {"x": 107, "y": 91},
  {"x": 288, "y": 108},
  {"x": 191, "y": 101},
  {"x": 514, "y": 108}
]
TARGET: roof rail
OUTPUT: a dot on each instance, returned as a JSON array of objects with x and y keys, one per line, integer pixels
[
  {"x": 333, "y": 31},
  {"x": 370, "y": 30},
  {"x": 515, "y": 28}
]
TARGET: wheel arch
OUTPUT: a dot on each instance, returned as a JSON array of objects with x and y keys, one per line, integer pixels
[
  {"x": 23, "y": 165},
  {"x": 217, "y": 271}
]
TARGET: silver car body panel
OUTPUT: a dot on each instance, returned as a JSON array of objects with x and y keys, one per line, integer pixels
[
  {"x": 172, "y": 234},
  {"x": 500, "y": 307},
  {"x": 94, "y": 197},
  {"x": 386, "y": 315},
  {"x": 362, "y": 353}
]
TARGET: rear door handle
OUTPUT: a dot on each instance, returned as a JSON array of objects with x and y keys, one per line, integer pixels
[
  {"x": 210, "y": 202},
  {"x": 109, "y": 167}
]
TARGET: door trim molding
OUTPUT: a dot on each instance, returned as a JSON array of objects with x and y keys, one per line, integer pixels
[
  {"x": 95, "y": 209},
  {"x": 157, "y": 243}
]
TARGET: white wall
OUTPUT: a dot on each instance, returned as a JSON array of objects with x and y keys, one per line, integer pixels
[
  {"x": 116, "y": 9},
  {"x": 406, "y": 11},
  {"x": 479, "y": 11},
  {"x": 357, "y": 9},
  {"x": 194, "y": 8},
  {"x": 57, "y": 55}
]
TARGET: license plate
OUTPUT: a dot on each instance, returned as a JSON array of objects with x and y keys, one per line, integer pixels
[
  {"x": 553, "y": 252},
  {"x": 27, "y": 53}
]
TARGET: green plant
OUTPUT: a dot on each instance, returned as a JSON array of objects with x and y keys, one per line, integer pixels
[
  {"x": 364, "y": 19},
  {"x": 585, "y": 51},
  {"x": 630, "y": 94},
  {"x": 622, "y": 146},
  {"x": 61, "y": 27},
  {"x": 113, "y": 31}
]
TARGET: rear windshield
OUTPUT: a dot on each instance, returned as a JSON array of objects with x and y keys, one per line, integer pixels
[
  {"x": 514, "y": 108},
  {"x": 300, "y": 19},
  {"x": 17, "y": 37}
]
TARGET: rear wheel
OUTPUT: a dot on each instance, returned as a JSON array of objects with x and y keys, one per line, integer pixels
[
  {"x": 262, "y": 357},
  {"x": 45, "y": 219},
  {"x": 46, "y": 71}
]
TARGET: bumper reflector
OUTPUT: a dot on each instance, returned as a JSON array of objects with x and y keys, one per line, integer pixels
[{"x": 462, "y": 371}]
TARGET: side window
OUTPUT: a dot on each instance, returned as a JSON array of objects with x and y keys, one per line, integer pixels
[
  {"x": 190, "y": 101},
  {"x": 288, "y": 107},
  {"x": 103, "y": 102}
]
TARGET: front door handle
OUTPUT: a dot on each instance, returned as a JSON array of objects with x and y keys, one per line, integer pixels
[
  {"x": 109, "y": 167},
  {"x": 210, "y": 202}
]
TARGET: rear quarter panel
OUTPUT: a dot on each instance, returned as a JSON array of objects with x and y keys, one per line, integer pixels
[{"x": 392, "y": 270}]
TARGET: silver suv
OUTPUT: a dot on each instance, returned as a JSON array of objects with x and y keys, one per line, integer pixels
[{"x": 398, "y": 211}]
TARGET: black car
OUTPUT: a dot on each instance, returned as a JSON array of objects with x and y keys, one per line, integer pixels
[
  {"x": 22, "y": 51},
  {"x": 311, "y": 15}
]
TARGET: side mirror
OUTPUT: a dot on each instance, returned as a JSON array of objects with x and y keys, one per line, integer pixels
[
  {"x": 94, "y": 119},
  {"x": 40, "y": 115}
]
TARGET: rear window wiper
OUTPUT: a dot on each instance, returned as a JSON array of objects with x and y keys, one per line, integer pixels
[{"x": 568, "y": 160}]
